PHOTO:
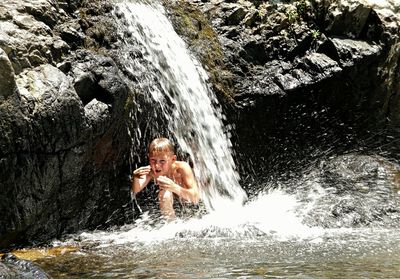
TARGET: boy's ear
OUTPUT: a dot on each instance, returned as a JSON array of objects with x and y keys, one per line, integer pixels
[{"x": 174, "y": 157}]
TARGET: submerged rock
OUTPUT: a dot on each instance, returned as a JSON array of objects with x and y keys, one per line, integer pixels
[{"x": 14, "y": 268}]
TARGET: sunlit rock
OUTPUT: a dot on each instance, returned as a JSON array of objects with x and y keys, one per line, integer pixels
[{"x": 7, "y": 78}]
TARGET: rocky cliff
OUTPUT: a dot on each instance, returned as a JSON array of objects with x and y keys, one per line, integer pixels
[
  {"x": 63, "y": 110},
  {"x": 306, "y": 78}
]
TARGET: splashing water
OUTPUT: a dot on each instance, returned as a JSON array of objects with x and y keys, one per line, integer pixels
[
  {"x": 264, "y": 238},
  {"x": 185, "y": 100},
  {"x": 269, "y": 214}
]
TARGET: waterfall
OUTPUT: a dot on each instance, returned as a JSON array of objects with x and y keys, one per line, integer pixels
[{"x": 178, "y": 84}]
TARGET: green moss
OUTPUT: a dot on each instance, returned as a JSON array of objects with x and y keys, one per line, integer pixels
[
  {"x": 299, "y": 10},
  {"x": 129, "y": 102},
  {"x": 301, "y": 7},
  {"x": 292, "y": 16},
  {"x": 193, "y": 26}
]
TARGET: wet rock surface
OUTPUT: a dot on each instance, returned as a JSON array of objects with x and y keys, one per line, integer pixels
[
  {"x": 342, "y": 191},
  {"x": 14, "y": 268},
  {"x": 354, "y": 191},
  {"x": 306, "y": 76},
  {"x": 63, "y": 111}
]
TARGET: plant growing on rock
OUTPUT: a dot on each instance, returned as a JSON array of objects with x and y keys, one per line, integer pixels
[{"x": 315, "y": 34}]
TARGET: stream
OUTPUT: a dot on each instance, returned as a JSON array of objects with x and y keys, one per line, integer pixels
[{"x": 263, "y": 239}]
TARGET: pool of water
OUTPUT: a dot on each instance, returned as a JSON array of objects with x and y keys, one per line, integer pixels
[
  {"x": 264, "y": 239},
  {"x": 335, "y": 254}
]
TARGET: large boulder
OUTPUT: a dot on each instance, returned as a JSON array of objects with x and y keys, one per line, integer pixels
[
  {"x": 65, "y": 143},
  {"x": 59, "y": 153}
]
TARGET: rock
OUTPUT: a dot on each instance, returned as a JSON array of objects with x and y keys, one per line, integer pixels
[
  {"x": 27, "y": 37},
  {"x": 68, "y": 152},
  {"x": 69, "y": 5},
  {"x": 85, "y": 85},
  {"x": 308, "y": 64},
  {"x": 349, "y": 20},
  {"x": 394, "y": 83},
  {"x": 45, "y": 11},
  {"x": 7, "y": 77},
  {"x": 11, "y": 268},
  {"x": 349, "y": 52},
  {"x": 252, "y": 18},
  {"x": 356, "y": 190},
  {"x": 96, "y": 111},
  {"x": 71, "y": 33},
  {"x": 235, "y": 16}
]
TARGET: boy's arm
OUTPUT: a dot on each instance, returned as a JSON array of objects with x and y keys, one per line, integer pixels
[
  {"x": 191, "y": 191},
  {"x": 141, "y": 177}
]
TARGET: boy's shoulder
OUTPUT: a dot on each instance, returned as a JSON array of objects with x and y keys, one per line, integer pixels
[{"x": 182, "y": 165}]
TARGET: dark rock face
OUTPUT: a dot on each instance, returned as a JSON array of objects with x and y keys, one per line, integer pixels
[
  {"x": 7, "y": 86},
  {"x": 60, "y": 169},
  {"x": 307, "y": 79},
  {"x": 64, "y": 140}
]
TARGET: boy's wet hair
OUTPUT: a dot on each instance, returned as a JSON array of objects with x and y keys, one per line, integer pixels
[{"x": 161, "y": 145}]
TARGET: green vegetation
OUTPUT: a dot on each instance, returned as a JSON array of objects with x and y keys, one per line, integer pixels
[
  {"x": 299, "y": 13},
  {"x": 292, "y": 16},
  {"x": 315, "y": 34},
  {"x": 301, "y": 7},
  {"x": 192, "y": 25}
]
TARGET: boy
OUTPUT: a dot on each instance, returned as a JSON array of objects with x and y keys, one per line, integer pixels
[{"x": 171, "y": 176}]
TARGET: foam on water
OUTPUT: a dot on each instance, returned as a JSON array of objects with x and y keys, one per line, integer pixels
[{"x": 272, "y": 214}]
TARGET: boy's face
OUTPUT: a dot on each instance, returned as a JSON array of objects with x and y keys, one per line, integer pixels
[{"x": 161, "y": 162}]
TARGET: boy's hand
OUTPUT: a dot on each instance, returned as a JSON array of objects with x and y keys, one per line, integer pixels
[
  {"x": 165, "y": 183},
  {"x": 142, "y": 171}
]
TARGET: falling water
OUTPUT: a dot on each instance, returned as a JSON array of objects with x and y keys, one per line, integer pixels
[{"x": 184, "y": 96}]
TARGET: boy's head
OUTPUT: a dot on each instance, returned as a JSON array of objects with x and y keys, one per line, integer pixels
[
  {"x": 161, "y": 156},
  {"x": 161, "y": 145}
]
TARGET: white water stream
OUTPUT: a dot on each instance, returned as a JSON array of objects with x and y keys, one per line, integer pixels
[{"x": 187, "y": 102}]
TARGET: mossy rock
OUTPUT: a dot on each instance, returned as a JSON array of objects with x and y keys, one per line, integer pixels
[{"x": 191, "y": 24}]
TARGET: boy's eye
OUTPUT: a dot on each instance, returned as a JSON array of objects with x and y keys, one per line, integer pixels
[{"x": 155, "y": 161}]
